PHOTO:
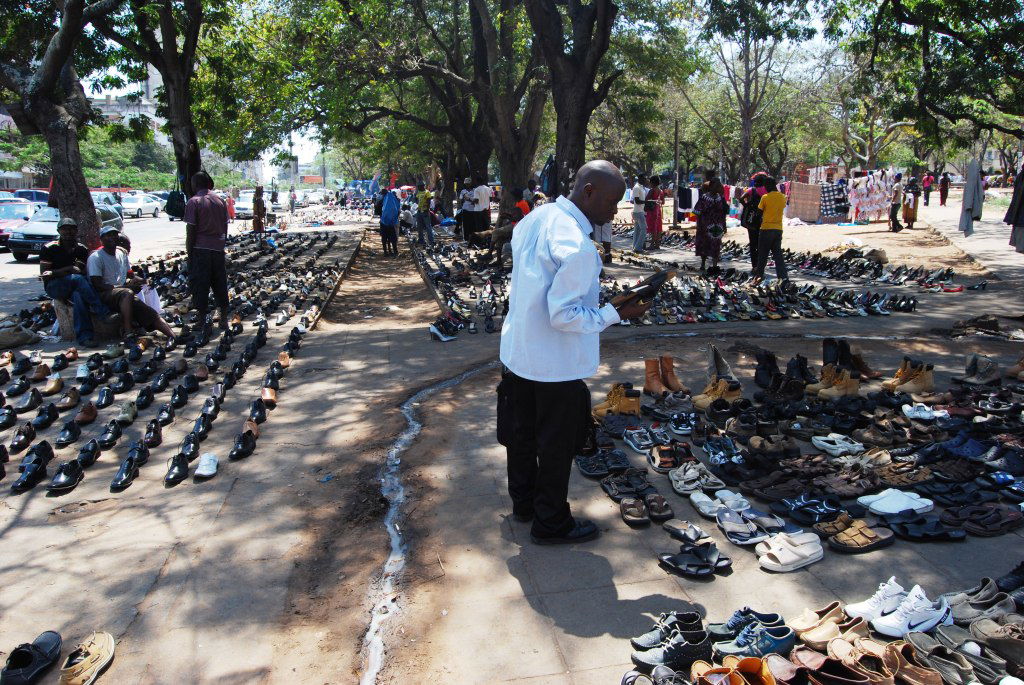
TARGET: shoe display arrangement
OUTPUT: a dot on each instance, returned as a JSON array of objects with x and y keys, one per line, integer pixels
[{"x": 298, "y": 275}]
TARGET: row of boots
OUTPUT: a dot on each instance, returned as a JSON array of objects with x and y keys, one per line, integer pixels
[{"x": 722, "y": 384}]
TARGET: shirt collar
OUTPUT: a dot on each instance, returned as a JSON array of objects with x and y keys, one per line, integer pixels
[
  {"x": 202, "y": 191},
  {"x": 570, "y": 208}
]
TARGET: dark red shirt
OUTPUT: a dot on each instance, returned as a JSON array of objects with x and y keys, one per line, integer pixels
[{"x": 209, "y": 214}]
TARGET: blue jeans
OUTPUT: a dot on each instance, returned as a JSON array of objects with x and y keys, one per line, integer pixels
[
  {"x": 639, "y": 232},
  {"x": 76, "y": 287},
  {"x": 424, "y": 223}
]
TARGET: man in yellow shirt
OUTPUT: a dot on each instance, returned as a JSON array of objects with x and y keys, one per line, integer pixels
[
  {"x": 772, "y": 205},
  {"x": 424, "y": 222}
]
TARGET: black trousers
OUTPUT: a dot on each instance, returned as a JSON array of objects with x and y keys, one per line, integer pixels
[
  {"x": 542, "y": 426},
  {"x": 927, "y": 195},
  {"x": 769, "y": 243},
  {"x": 207, "y": 269},
  {"x": 753, "y": 236},
  {"x": 389, "y": 239},
  {"x": 894, "y": 217}
]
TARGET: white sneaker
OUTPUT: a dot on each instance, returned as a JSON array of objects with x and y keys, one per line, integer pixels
[
  {"x": 886, "y": 600},
  {"x": 918, "y": 411},
  {"x": 916, "y": 614}
]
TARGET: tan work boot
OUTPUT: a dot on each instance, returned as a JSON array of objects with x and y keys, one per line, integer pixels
[
  {"x": 829, "y": 374},
  {"x": 922, "y": 381},
  {"x": 629, "y": 403},
  {"x": 610, "y": 403},
  {"x": 652, "y": 379},
  {"x": 843, "y": 385},
  {"x": 668, "y": 375},
  {"x": 899, "y": 377},
  {"x": 711, "y": 392}
]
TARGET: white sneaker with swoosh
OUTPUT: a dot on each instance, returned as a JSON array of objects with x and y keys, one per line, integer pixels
[{"x": 916, "y": 614}]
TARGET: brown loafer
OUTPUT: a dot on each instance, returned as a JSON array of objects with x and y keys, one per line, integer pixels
[
  {"x": 39, "y": 373},
  {"x": 71, "y": 353},
  {"x": 285, "y": 359},
  {"x": 201, "y": 371},
  {"x": 86, "y": 414},
  {"x": 53, "y": 386},
  {"x": 269, "y": 396},
  {"x": 69, "y": 400},
  {"x": 251, "y": 426}
]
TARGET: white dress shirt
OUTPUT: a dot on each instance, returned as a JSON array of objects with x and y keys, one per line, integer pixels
[
  {"x": 638, "y": 193},
  {"x": 483, "y": 196},
  {"x": 551, "y": 332}
]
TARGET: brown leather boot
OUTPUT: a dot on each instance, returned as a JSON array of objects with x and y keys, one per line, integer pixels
[
  {"x": 843, "y": 385},
  {"x": 922, "y": 381},
  {"x": 829, "y": 374},
  {"x": 862, "y": 366},
  {"x": 668, "y": 375},
  {"x": 900, "y": 376},
  {"x": 652, "y": 379}
]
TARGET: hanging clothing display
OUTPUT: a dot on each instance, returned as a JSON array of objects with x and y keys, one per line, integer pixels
[
  {"x": 974, "y": 199},
  {"x": 835, "y": 203},
  {"x": 1015, "y": 213},
  {"x": 869, "y": 196}
]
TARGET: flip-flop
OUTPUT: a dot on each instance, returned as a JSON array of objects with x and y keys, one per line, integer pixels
[
  {"x": 633, "y": 511},
  {"x": 737, "y": 530},
  {"x": 996, "y": 522},
  {"x": 709, "y": 552},
  {"x": 684, "y": 531},
  {"x": 769, "y": 523},
  {"x": 657, "y": 507},
  {"x": 687, "y": 563}
]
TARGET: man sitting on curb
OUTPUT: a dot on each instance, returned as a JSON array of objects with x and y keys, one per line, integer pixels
[
  {"x": 108, "y": 270},
  {"x": 62, "y": 266}
]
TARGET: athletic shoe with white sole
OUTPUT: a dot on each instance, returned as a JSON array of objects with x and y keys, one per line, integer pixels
[
  {"x": 638, "y": 440},
  {"x": 886, "y": 600},
  {"x": 916, "y": 613}
]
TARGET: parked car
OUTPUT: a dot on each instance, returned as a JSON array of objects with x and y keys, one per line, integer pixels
[
  {"x": 137, "y": 205},
  {"x": 7, "y": 196},
  {"x": 33, "y": 195},
  {"x": 243, "y": 205},
  {"x": 13, "y": 215},
  {"x": 104, "y": 198},
  {"x": 30, "y": 238},
  {"x": 162, "y": 195}
]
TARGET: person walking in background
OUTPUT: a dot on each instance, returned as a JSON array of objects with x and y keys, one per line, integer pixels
[
  {"x": 895, "y": 202},
  {"x": 711, "y": 211},
  {"x": 292, "y": 197},
  {"x": 926, "y": 185},
  {"x": 943, "y": 188},
  {"x": 206, "y": 231},
  {"x": 483, "y": 203},
  {"x": 769, "y": 239},
  {"x": 424, "y": 223},
  {"x": 259, "y": 210},
  {"x": 652, "y": 210},
  {"x": 530, "y": 192},
  {"x": 637, "y": 196},
  {"x": 751, "y": 216},
  {"x": 229, "y": 200},
  {"x": 910, "y": 200},
  {"x": 389, "y": 212},
  {"x": 522, "y": 204},
  {"x": 466, "y": 207}
]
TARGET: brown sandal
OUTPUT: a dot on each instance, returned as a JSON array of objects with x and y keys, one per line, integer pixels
[
  {"x": 827, "y": 529},
  {"x": 658, "y": 508},
  {"x": 859, "y": 537},
  {"x": 633, "y": 511}
]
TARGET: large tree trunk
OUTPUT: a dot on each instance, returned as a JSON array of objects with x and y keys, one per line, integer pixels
[
  {"x": 69, "y": 184},
  {"x": 184, "y": 140},
  {"x": 571, "y": 136}
]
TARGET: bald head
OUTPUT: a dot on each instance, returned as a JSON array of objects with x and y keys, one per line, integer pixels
[{"x": 598, "y": 188}]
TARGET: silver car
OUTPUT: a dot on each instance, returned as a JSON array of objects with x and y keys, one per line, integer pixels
[{"x": 30, "y": 238}]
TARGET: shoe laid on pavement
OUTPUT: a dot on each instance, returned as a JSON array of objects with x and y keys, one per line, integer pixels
[
  {"x": 582, "y": 531},
  {"x": 89, "y": 659},
  {"x": 207, "y": 466},
  {"x": 758, "y": 640},
  {"x": 664, "y": 626},
  {"x": 983, "y": 590},
  {"x": 678, "y": 652},
  {"x": 1012, "y": 580},
  {"x": 916, "y": 613},
  {"x": 886, "y": 600},
  {"x": 987, "y": 665},
  {"x": 638, "y": 440},
  {"x": 26, "y": 663},
  {"x": 951, "y": 665},
  {"x": 993, "y": 607},
  {"x": 741, "y": 618}
]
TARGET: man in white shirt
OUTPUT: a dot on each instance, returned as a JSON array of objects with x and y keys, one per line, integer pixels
[
  {"x": 637, "y": 196},
  {"x": 482, "y": 193},
  {"x": 549, "y": 343}
]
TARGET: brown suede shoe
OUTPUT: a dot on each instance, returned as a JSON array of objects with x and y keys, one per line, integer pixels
[
  {"x": 39, "y": 373},
  {"x": 86, "y": 414},
  {"x": 69, "y": 400}
]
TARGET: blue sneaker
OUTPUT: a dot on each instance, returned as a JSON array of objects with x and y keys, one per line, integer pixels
[
  {"x": 757, "y": 640},
  {"x": 722, "y": 632}
]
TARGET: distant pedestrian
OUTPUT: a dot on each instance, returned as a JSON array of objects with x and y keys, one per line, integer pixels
[
  {"x": 389, "y": 212},
  {"x": 895, "y": 202},
  {"x": 943, "y": 188},
  {"x": 769, "y": 240},
  {"x": 464, "y": 216},
  {"x": 751, "y": 216},
  {"x": 424, "y": 222},
  {"x": 259, "y": 210},
  {"x": 711, "y": 211},
  {"x": 910, "y": 199},
  {"x": 530, "y": 193},
  {"x": 652, "y": 210},
  {"x": 926, "y": 186},
  {"x": 292, "y": 197},
  {"x": 637, "y": 196},
  {"x": 229, "y": 199},
  {"x": 206, "y": 232}
]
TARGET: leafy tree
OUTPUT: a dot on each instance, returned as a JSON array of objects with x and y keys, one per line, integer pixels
[{"x": 44, "y": 47}]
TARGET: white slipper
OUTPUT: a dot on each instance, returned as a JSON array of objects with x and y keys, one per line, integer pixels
[
  {"x": 790, "y": 540},
  {"x": 893, "y": 501},
  {"x": 783, "y": 558},
  {"x": 837, "y": 444},
  {"x": 705, "y": 506},
  {"x": 207, "y": 465}
]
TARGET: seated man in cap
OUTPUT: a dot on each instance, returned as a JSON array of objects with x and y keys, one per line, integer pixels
[
  {"x": 62, "y": 268},
  {"x": 109, "y": 272}
]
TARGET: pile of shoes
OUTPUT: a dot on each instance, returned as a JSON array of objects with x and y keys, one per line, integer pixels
[{"x": 470, "y": 287}]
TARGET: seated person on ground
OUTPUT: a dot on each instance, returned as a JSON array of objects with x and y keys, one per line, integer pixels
[{"x": 108, "y": 269}]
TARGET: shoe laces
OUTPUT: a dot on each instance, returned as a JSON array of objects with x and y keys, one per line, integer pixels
[
  {"x": 748, "y": 635},
  {"x": 737, "y": 619},
  {"x": 880, "y": 595}
]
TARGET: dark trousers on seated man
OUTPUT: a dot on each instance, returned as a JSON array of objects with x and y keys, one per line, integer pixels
[
  {"x": 84, "y": 300},
  {"x": 142, "y": 314},
  {"x": 543, "y": 426},
  {"x": 207, "y": 269}
]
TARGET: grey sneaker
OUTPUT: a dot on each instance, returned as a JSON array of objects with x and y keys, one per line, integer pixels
[
  {"x": 664, "y": 626},
  {"x": 993, "y": 607},
  {"x": 741, "y": 618},
  {"x": 677, "y": 653},
  {"x": 953, "y": 667},
  {"x": 982, "y": 591},
  {"x": 757, "y": 640},
  {"x": 989, "y": 667}
]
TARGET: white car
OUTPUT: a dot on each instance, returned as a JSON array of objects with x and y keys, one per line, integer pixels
[
  {"x": 243, "y": 206},
  {"x": 137, "y": 205}
]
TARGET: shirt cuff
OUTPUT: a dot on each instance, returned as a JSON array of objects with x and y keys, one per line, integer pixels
[{"x": 609, "y": 315}]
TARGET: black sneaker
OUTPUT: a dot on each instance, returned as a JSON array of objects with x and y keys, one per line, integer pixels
[
  {"x": 664, "y": 626},
  {"x": 1012, "y": 580},
  {"x": 582, "y": 531},
  {"x": 677, "y": 653}
]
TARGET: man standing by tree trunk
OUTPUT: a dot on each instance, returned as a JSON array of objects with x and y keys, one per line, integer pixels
[
  {"x": 206, "y": 230},
  {"x": 638, "y": 195}
]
